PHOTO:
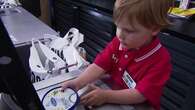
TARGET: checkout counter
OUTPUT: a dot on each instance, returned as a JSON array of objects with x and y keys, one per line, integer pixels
[
  {"x": 22, "y": 27},
  {"x": 182, "y": 28}
]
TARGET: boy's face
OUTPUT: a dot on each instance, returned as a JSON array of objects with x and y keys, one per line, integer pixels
[{"x": 134, "y": 36}]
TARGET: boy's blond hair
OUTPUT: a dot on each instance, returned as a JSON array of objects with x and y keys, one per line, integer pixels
[{"x": 149, "y": 13}]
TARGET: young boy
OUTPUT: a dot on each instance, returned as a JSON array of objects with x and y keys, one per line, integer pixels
[{"x": 138, "y": 64}]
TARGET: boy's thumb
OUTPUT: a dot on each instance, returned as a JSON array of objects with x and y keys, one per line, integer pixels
[{"x": 63, "y": 87}]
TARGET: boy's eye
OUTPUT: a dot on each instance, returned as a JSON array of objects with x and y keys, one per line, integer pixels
[{"x": 129, "y": 31}]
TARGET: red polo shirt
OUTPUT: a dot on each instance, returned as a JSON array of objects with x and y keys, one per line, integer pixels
[{"x": 149, "y": 67}]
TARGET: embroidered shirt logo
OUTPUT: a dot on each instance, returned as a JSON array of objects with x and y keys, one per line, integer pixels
[{"x": 114, "y": 57}]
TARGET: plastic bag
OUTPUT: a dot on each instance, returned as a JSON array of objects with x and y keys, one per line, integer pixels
[{"x": 58, "y": 57}]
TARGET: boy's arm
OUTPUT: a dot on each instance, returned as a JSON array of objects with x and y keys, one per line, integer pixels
[
  {"x": 125, "y": 96},
  {"x": 92, "y": 73},
  {"x": 99, "y": 96}
]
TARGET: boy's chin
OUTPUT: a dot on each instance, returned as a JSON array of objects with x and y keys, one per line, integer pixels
[
  {"x": 124, "y": 46},
  {"x": 128, "y": 47}
]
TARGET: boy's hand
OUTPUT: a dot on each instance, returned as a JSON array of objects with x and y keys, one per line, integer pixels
[
  {"x": 95, "y": 97},
  {"x": 70, "y": 83}
]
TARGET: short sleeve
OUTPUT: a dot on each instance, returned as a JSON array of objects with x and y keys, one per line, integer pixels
[
  {"x": 151, "y": 86},
  {"x": 104, "y": 58}
]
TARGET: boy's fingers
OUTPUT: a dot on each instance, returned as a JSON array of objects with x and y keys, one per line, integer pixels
[
  {"x": 87, "y": 96},
  {"x": 91, "y": 102},
  {"x": 64, "y": 86},
  {"x": 83, "y": 101},
  {"x": 88, "y": 101}
]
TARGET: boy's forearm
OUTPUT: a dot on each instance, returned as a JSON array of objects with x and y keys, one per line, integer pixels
[
  {"x": 125, "y": 96},
  {"x": 92, "y": 73}
]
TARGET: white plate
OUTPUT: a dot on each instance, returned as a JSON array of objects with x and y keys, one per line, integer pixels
[{"x": 55, "y": 99}]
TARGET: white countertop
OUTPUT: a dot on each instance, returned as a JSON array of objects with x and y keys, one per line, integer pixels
[{"x": 23, "y": 26}]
